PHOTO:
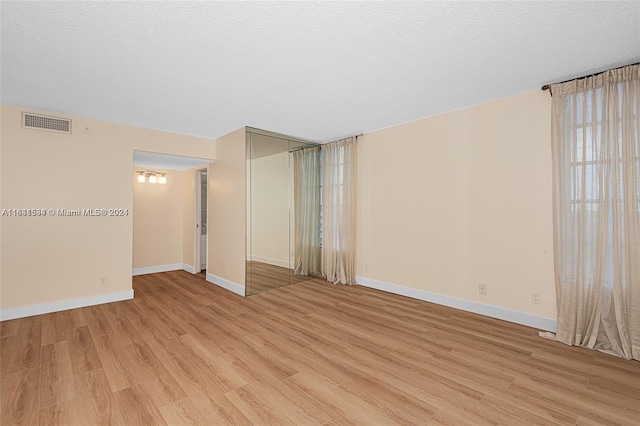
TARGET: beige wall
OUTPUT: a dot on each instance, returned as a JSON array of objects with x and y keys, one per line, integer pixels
[
  {"x": 445, "y": 203},
  {"x": 270, "y": 209},
  {"x": 462, "y": 198},
  {"x": 227, "y": 217},
  {"x": 53, "y": 259},
  {"x": 1, "y": 204},
  {"x": 158, "y": 220}
]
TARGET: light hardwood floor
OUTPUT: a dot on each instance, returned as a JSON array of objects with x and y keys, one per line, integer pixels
[
  {"x": 265, "y": 277},
  {"x": 187, "y": 352}
]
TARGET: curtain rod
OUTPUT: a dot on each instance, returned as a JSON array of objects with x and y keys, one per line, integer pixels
[
  {"x": 548, "y": 86},
  {"x": 347, "y": 137},
  {"x": 307, "y": 147}
]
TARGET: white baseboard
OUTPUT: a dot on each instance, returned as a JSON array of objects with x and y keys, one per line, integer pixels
[
  {"x": 63, "y": 305},
  {"x": 190, "y": 268},
  {"x": 163, "y": 268},
  {"x": 535, "y": 321},
  {"x": 270, "y": 261},
  {"x": 226, "y": 284}
]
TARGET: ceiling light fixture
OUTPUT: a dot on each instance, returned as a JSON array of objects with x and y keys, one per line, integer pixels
[{"x": 152, "y": 177}]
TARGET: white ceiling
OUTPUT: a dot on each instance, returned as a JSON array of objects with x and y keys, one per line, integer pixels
[{"x": 314, "y": 70}]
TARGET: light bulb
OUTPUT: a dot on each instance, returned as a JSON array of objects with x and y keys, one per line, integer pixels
[
  {"x": 152, "y": 178},
  {"x": 141, "y": 178},
  {"x": 162, "y": 179}
]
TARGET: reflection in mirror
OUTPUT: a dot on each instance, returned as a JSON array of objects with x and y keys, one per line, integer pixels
[
  {"x": 269, "y": 197},
  {"x": 307, "y": 236},
  {"x": 271, "y": 239}
]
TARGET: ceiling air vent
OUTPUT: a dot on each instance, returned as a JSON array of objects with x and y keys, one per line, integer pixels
[{"x": 43, "y": 122}]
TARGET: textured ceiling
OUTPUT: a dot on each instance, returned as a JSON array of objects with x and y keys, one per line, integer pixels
[{"x": 315, "y": 70}]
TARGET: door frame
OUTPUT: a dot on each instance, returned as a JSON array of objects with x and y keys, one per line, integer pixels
[{"x": 198, "y": 220}]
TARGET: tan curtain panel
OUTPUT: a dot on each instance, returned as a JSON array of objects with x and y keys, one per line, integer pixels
[
  {"x": 339, "y": 185},
  {"x": 306, "y": 195},
  {"x": 596, "y": 166}
]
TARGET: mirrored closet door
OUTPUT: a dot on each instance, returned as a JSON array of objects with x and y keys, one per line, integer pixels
[{"x": 272, "y": 194}]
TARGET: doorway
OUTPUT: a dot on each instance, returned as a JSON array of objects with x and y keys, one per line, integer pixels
[
  {"x": 158, "y": 243},
  {"x": 200, "y": 258}
]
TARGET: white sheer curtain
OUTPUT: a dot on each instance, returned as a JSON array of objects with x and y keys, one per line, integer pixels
[
  {"x": 339, "y": 185},
  {"x": 596, "y": 165},
  {"x": 306, "y": 187}
]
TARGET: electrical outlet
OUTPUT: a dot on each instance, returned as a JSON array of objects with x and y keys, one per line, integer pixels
[
  {"x": 482, "y": 289},
  {"x": 103, "y": 281},
  {"x": 535, "y": 297}
]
